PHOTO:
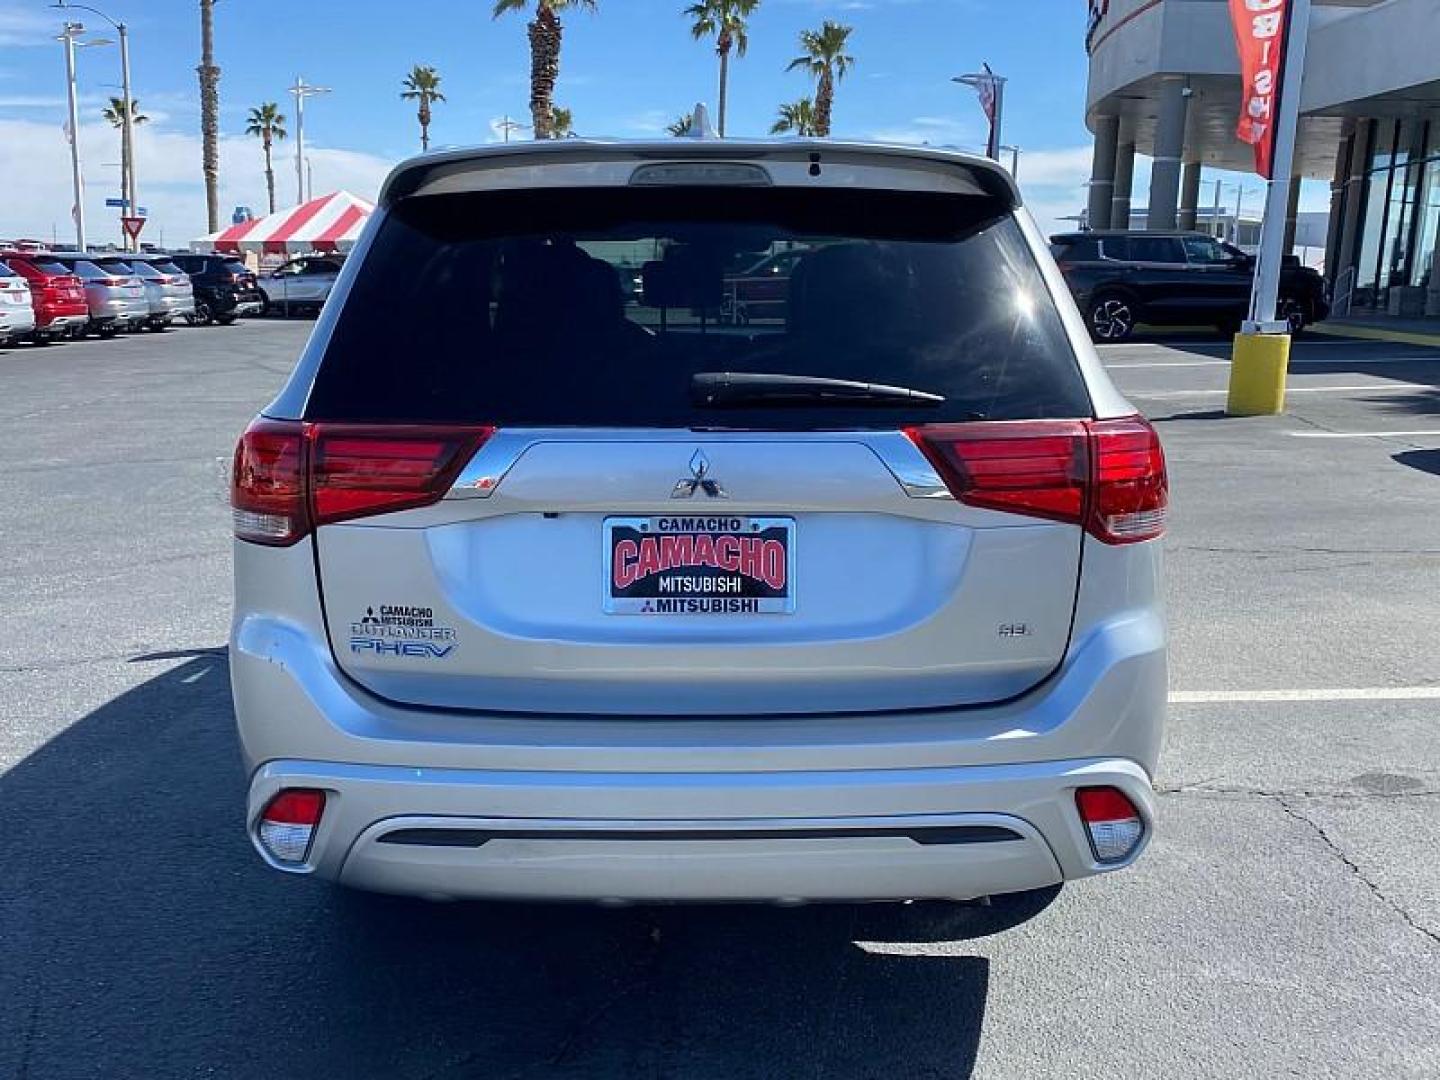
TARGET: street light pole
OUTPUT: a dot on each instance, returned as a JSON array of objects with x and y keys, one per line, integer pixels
[
  {"x": 301, "y": 90},
  {"x": 67, "y": 36},
  {"x": 127, "y": 135},
  {"x": 127, "y": 129},
  {"x": 1014, "y": 161},
  {"x": 991, "y": 90}
]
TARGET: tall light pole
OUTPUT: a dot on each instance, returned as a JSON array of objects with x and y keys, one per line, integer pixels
[
  {"x": 1014, "y": 161},
  {"x": 991, "y": 90},
  {"x": 127, "y": 131},
  {"x": 301, "y": 90},
  {"x": 506, "y": 126},
  {"x": 69, "y": 38}
]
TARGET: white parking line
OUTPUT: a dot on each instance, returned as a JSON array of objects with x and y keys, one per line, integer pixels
[
  {"x": 1364, "y": 434},
  {"x": 1368, "y": 693},
  {"x": 1293, "y": 360},
  {"x": 1374, "y": 388}
]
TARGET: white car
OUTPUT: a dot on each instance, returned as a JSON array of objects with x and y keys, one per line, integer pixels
[
  {"x": 17, "y": 311},
  {"x": 577, "y": 597},
  {"x": 299, "y": 285}
]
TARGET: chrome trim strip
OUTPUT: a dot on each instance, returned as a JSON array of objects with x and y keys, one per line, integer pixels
[{"x": 485, "y": 472}]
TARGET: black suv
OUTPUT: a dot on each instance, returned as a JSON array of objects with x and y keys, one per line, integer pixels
[
  {"x": 1174, "y": 279},
  {"x": 224, "y": 287}
]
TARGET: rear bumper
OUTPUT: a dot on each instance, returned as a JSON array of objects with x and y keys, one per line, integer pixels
[
  {"x": 13, "y": 324},
  {"x": 849, "y": 835},
  {"x": 385, "y": 767}
]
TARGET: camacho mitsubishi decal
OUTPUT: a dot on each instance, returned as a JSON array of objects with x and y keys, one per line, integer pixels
[{"x": 401, "y": 630}]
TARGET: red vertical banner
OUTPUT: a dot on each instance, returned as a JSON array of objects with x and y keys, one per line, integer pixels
[{"x": 1260, "y": 27}]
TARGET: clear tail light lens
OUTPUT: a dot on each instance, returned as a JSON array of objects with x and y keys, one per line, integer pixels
[
  {"x": 1114, "y": 825},
  {"x": 267, "y": 483},
  {"x": 288, "y": 822},
  {"x": 290, "y": 476},
  {"x": 1108, "y": 475}
]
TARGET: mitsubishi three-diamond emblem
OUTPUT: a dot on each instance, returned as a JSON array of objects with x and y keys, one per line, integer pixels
[{"x": 686, "y": 486}]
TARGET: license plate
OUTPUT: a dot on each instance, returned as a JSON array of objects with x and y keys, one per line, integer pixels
[{"x": 699, "y": 564}]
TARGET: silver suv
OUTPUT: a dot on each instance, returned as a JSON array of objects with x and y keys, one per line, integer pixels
[{"x": 597, "y": 594}]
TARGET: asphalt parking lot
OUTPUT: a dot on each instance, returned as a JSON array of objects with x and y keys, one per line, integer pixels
[{"x": 1286, "y": 922}]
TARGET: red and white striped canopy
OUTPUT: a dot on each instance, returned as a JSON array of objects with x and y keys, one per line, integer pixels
[{"x": 329, "y": 223}]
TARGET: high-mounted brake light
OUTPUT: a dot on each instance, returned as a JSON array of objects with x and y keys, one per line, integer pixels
[
  {"x": 1114, "y": 825},
  {"x": 289, "y": 476},
  {"x": 287, "y": 824},
  {"x": 1108, "y": 475}
]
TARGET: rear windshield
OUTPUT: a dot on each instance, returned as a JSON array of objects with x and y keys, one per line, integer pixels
[
  {"x": 597, "y": 307},
  {"x": 115, "y": 266},
  {"x": 234, "y": 266},
  {"x": 50, "y": 266},
  {"x": 165, "y": 266},
  {"x": 5, "y": 270}
]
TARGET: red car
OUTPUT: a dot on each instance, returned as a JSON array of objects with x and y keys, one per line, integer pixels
[{"x": 57, "y": 294}]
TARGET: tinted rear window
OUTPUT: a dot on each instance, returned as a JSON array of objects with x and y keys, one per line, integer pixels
[
  {"x": 49, "y": 266},
  {"x": 165, "y": 266},
  {"x": 1075, "y": 248},
  {"x": 234, "y": 266},
  {"x": 87, "y": 269},
  {"x": 5, "y": 270},
  {"x": 597, "y": 306}
]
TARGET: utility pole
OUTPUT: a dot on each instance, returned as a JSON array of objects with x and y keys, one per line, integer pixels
[{"x": 1215, "y": 229}]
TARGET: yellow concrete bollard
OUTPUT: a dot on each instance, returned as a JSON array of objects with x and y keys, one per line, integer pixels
[{"x": 1257, "y": 375}]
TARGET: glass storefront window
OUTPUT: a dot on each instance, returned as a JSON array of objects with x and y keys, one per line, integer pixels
[
  {"x": 1427, "y": 210},
  {"x": 1376, "y": 189}
]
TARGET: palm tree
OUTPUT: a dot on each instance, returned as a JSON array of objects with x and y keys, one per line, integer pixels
[
  {"x": 423, "y": 85},
  {"x": 681, "y": 126},
  {"x": 545, "y": 34},
  {"x": 725, "y": 21},
  {"x": 562, "y": 123},
  {"x": 115, "y": 113},
  {"x": 797, "y": 117},
  {"x": 210, "y": 112},
  {"x": 825, "y": 58},
  {"x": 267, "y": 123}
]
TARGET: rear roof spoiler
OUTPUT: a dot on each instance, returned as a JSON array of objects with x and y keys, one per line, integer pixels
[{"x": 450, "y": 169}]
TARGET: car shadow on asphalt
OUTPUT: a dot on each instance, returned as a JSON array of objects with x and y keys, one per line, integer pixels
[{"x": 143, "y": 937}]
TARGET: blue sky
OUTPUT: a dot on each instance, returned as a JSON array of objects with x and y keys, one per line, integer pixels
[{"x": 627, "y": 70}]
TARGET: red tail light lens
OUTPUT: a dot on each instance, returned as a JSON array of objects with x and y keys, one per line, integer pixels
[
  {"x": 1108, "y": 475},
  {"x": 1131, "y": 489},
  {"x": 290, "y": 476},
  {"x": 267, "y": 483},
  {"x": 1114, "y": 825},
  {"x": 1037, "y": 468},
  {"x": 287, "y": 825},
  {"x": 358, "y": 471}
]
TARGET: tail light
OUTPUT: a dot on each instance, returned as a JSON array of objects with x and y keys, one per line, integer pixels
[
  {"x": 1114, "y": 825},
  {"x": 113, "y": 281},
  {"x": 1107, "y": 475},
  {"x": 288, "y": 822},
  {"x": 290, "y": 477}
]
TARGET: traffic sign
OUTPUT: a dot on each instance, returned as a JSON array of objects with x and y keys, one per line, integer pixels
[
  {"x": 132, "y": 226},
  {"x": 121, "y": 203}
]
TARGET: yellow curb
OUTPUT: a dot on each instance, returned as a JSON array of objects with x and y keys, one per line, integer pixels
[{"x": 1375, "y": 333}]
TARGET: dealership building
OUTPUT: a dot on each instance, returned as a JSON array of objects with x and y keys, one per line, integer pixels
[{"x": 1165, "y": 82}]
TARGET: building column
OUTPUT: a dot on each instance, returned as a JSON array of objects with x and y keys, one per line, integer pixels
[
  {"x": 1189, "y": 194},
  {"x": 1292, "y": 213},
  {"x": 1169, "y": 145},
  {"x": 1102, "y": 171},
  {"x": 1348, "y": 252},
  {"x": 1336, "y": 221},
  {"x": 1124, "y": 180}
]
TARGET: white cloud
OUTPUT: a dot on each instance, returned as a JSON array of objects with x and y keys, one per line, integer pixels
[
  {"x": 35, "y": 160},
  {"x": 649, "y": 122},
  {"x": 27, "y": 26}
]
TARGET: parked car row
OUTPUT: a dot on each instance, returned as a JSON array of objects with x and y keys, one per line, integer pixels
[{"x": 49, "y": 295}]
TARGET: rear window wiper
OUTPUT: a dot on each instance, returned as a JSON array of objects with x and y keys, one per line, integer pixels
[{"x": 737, "y": 389}]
